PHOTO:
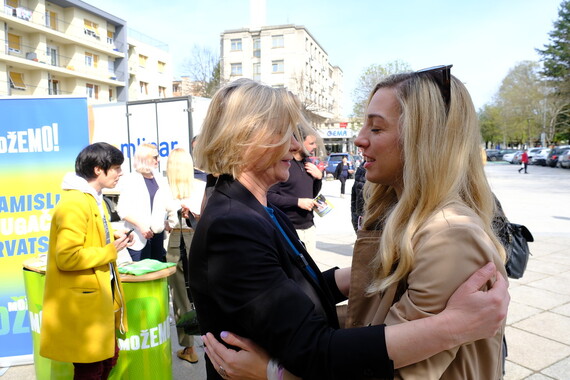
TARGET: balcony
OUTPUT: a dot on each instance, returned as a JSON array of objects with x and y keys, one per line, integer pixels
[
  {"x": 29, "y": 58},
  {"x": 59, "y": 31}
]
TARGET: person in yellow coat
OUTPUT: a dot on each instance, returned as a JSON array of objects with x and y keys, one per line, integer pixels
[{"x": 83, "y": 299}]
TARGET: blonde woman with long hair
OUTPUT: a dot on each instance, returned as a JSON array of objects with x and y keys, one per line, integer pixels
[
  {"x": 428, "y": 213},
  {"x": 187, "y": 194}
]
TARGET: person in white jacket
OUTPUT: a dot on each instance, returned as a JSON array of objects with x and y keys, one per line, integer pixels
[{"x": 143, "y": 205}]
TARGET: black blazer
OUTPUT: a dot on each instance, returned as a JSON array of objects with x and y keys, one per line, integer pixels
[{"x": 245, "y": 278}]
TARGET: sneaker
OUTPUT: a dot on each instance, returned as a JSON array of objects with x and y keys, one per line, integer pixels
[{"x": 188, "y": 354}]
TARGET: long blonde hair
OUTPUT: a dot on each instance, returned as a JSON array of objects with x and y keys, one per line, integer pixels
[
  {"x": 180, "y": 173},
  {"x": 442, "y": 163},
  {"x": 247, "y": 120}
]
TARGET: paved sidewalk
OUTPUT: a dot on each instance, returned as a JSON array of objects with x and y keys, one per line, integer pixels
[{"x": 538, "y": 324}]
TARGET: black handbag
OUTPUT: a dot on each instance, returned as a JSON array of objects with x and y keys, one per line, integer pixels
[
  {"x": 517, "y": 238},
  {"x": 189, "y": 320}
]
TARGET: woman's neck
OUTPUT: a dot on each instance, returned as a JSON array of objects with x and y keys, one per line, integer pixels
[{"x": 252, "y": 183}]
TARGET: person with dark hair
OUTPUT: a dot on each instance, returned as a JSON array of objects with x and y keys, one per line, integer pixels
[
  {"x": 356, "y": 198},
  {"x": 296, "y": 196},
  {"x": 343, "y": 171},
  {"x": 83, "y": 299}
]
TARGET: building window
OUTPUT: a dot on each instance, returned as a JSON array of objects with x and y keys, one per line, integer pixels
[
  {"x": 236, "y": 69},
  {"x": 51, "y": 20},
  {"x": 278, "y": 41},
  {"x": 161, "y": 92},
  {"x": 91, "y": 29},
  {"x": 91, "y": 60},
  {"x": 14, "y": 43},
  {"x": 53, "y": 87},
  {"x": 144, "y": 88},
  {"x": 110, "y": 94},
  {"x": 12, "y": 3},
  {"x": 236, "y": 44},
  {"x": 92, "y": 91},
  {"x": 17, "y": 80},
  {"x": 161, "y": 66},
  {"x": 257, "y": 71},
  {"x": 142, "y": 60},
  {"x": 51, "y": 52},
  {"x": 257, "y": 47},
  {"x": 110, "y": 37},
  {"x": 277, "y": 66},
  {"x": 111, "y": 66}
]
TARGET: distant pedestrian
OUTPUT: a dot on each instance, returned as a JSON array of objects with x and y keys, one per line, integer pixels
[
  {"x": 356, "y": 198},
  {"x": 524, "y": 161},
  {"x": 343, "y": 171}
]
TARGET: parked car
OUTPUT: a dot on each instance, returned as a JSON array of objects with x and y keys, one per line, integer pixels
[
  {"x": 335, "y": 159},
  {"x": 492, "y": 154},
  {"x": 321, "y": 165},
  {"x": 540, "y": 157},
  {"x": 564, "y": 160},
  {"x": 552, "y": 158},
  {"x": 531, "y": 152},
  {"x": 510, "y": 156},
  {"x": 517, "y": 158}
]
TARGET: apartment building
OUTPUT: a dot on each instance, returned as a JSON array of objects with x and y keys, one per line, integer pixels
[
  {"x": 62, "y": 47},
  {"x": 285, "y": 56},
  {"x": 150, "y": 67}
]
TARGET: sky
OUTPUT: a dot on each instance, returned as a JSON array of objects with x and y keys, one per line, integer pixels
[{"x": 483, "y": 39}]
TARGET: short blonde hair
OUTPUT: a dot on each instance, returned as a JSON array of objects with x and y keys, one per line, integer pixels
[
  {"x": 143, "y": 159},
  {"x": 247, "y": 120},
  {"x": 180, "y": 173}
]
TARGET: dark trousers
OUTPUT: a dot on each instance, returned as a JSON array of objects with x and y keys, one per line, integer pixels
[
  {"x": 154, "y": 249},
  {"x": 342, "y": 184},
  {"x": 95, "y": 371},
  {"x": 525, "y": 164}
]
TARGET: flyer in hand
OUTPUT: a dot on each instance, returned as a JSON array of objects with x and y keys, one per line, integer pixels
[{"x": 323, "y": 205}]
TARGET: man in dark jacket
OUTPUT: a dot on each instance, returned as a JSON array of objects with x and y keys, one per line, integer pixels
[
  {"x": 295, "y": 197},
  {"x": 356, "y": 198}
]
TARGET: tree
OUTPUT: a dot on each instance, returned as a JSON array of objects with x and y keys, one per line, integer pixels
[
  {"x": 203, "y": 67},
  {"x": 490, "y": 123},
  {"x": 520, "y": 99},
  {"x": 369, "y": 78},
  {"x": 556, "y": 71}
]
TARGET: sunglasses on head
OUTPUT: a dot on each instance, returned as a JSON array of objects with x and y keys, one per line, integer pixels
[{"x": 441, "y": 75}]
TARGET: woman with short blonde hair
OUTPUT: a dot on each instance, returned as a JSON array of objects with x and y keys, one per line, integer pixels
[{"x": 246, "y": 121}]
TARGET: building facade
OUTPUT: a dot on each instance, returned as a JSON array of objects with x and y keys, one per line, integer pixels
[
  {"x": 68, "y": 47},
  {"x": 285, "y": 56},
  {"x": 62, "y": 47},
  {"x": 150, "y": 67}
]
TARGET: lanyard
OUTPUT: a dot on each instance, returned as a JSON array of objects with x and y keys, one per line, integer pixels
[{"x": 297, "y": 253}]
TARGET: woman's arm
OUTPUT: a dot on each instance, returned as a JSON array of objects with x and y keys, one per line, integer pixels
[{"x": 470, "y": 315}]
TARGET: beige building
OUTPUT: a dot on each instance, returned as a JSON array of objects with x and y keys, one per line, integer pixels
[
  {"x": 150, "y": 67},
  {"x": 68, "y": 47},
  {"x": 62, "y": 47},
  {"x": 285, "y": 56}
]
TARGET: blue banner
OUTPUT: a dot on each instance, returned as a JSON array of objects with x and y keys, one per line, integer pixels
[{"x": 39, "y": 141}]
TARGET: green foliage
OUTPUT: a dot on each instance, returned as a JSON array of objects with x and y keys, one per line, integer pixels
[
  {"x": 369, "y": 78},
  {"x": 556, "y": 54}
]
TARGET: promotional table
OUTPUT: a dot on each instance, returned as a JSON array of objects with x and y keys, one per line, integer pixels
[{"x": 145, "y": 351}]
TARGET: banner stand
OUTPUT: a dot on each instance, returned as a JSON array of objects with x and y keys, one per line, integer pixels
[{"x": 145, "y": 351}]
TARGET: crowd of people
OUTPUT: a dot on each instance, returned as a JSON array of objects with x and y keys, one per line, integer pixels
[{"x": 427, "y": 290}]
